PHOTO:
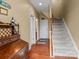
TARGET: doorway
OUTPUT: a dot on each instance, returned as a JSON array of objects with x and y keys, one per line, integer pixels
[
  {"x": 43, "y": 31},
  {"x": 32, "y": 31}
]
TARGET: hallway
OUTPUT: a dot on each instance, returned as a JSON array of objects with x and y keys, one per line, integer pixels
[
  {"x": 63, "y": 47},
  {"x": 40, "y": 24},
  {"x": 59, "y": 35}
]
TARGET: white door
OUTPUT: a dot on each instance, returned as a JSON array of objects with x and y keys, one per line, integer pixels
[
  {"x": 32, "y": 31},
  {"x": 44, "y": 28}
]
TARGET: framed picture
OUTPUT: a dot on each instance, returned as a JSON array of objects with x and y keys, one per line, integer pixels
[{"x": 3, "y": 11}]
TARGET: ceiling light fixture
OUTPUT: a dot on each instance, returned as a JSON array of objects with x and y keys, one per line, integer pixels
[{"x": 40, "y": 4}]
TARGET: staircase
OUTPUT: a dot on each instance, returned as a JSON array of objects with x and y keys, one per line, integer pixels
[{"x": 62, "y": 43}]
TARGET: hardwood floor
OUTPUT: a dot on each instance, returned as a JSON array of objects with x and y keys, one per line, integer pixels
[{"x": 41, "y": 51}]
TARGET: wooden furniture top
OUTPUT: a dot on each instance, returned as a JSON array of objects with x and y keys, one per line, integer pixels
[{"x": 9, "y": 50}]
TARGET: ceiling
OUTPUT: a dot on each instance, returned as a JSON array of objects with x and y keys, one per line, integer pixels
[{"x": 43, "y": 7}]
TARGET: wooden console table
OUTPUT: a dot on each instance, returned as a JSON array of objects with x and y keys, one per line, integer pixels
[
  {"x": 11, "y": 45},
  {"x": 14, "y": 50}
]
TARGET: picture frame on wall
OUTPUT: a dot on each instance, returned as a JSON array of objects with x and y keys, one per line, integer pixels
[{"x": 3, "y": 11}]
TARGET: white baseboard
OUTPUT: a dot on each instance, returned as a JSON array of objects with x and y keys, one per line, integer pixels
[
  {"x": 75, "y": 46},
  {"x": 78, "y": 54}
]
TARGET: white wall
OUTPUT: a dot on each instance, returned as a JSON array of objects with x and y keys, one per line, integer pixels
[
  {"x": 20, "y": 10},
  {"x": 72, "y": 19}
]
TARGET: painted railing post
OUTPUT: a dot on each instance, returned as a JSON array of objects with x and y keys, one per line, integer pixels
[{"x": 50, "y": 35}]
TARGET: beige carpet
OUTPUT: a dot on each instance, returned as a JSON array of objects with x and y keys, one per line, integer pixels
[{"x": 63, "y": 45}]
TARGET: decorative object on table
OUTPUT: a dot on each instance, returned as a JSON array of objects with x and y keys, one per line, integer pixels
[
  {"x": 12, "y": 23},
  {"x": 15, "y": 26}
]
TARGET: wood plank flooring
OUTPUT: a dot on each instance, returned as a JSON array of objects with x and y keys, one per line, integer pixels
[{"x": 41, "y": 51}]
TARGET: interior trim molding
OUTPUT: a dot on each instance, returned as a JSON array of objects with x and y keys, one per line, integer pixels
[
  {"x": 74, "y": 43},
  {"x": 78, "y": 54}
]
